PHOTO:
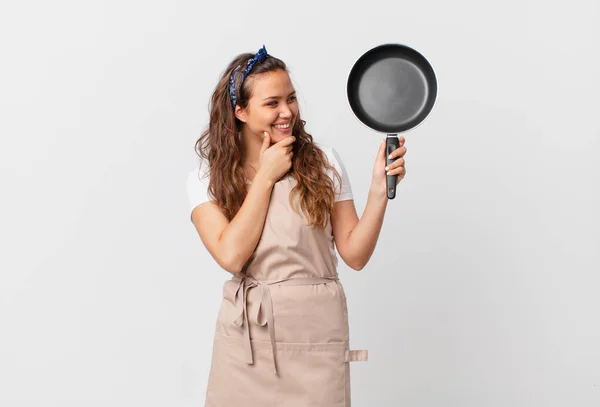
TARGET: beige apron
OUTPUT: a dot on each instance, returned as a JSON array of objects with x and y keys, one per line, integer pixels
[{"x": 281, "y": 336}]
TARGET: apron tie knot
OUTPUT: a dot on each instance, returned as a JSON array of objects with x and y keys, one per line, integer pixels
[{"x": 266, "y": 302}]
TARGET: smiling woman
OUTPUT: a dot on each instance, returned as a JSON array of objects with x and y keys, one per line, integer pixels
[{"x": 270, "y": 205}]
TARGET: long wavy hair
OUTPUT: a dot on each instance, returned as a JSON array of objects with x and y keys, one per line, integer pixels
[{"x": 221, "y": 147}]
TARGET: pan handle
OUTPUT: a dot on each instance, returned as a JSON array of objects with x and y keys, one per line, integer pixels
[{"x": 391, "y": 145}]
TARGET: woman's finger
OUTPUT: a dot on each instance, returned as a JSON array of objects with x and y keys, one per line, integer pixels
[
  {"x": 396, "y": 171},
  {"x": 399, "y": 152},
  {"x": 399, "y": 162}
]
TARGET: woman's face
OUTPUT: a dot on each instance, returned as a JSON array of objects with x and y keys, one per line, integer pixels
[{"x": 273, "y": 103}]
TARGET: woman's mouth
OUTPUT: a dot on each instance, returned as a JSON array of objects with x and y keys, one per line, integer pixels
[{"x": 283, "y": 128}]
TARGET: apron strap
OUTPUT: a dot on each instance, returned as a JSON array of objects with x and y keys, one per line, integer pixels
[{"x": 357, "y": 355}]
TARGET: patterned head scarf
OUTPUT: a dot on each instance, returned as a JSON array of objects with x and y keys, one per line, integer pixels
[{"x": 260, "y": 56}]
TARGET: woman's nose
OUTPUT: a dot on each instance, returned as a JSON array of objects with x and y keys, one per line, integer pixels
[{"x": 286, "y": 111}]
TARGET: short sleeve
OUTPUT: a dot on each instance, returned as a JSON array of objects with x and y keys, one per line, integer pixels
[
  {"x": 346, "y": 189},
  {"x": 197, "y": 188}
]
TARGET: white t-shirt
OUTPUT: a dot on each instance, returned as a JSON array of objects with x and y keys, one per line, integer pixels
[{"x": 197, "y": 184}]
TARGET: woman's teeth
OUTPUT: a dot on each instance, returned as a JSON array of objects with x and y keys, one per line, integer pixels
[{"x": 282, "y": 126}]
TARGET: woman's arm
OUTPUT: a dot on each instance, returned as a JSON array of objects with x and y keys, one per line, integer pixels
[
  {"x": 232, "y": 243},
  {"x": 356, "y": 239}
]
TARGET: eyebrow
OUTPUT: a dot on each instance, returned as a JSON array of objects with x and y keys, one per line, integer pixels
[{"x": 277, "y": 97}]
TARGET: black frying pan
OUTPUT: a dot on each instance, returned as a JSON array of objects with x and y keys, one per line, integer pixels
[{"x": 391, "y": 89}]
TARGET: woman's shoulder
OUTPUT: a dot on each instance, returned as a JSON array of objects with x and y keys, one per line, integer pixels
[
  {"x": 197, "y": 184},
  {"x": 332, "y": 155},
  {"x": 336, "y": 162},
  {"x": 327, "y": 149},
  {"x": 199, "y": 171},
  {"x": 198, "y": 177}
]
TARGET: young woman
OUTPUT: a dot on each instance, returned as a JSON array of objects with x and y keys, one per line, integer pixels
[{"x": 269, "y": 204}]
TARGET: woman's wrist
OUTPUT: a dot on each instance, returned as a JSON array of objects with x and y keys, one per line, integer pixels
[
  {"x": 377, "y": 192},
  {"x": 260, "y": 178}
]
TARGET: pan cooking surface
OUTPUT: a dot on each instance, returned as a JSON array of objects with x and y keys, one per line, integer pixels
[
  {"x": 392, "y": 88},
  {"x": 392, "y": 91}
]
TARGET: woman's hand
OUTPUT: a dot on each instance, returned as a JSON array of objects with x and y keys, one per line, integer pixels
[
  {"x": 395, "y": 168},
  {"x": 275, "y": 160}
]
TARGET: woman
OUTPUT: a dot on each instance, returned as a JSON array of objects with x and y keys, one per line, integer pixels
[{"x": 278, "y": 204}]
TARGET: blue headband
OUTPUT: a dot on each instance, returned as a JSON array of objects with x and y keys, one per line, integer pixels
[{"x": 260, "y": 56}]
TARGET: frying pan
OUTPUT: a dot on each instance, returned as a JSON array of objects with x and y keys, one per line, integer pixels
[{"x": 391, "y": 89}]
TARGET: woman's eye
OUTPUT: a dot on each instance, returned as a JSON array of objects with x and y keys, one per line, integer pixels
[{"x": 274, "y": 103}]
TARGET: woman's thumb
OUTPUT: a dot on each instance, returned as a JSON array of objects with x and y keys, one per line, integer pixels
[
  {"x": 266, "y": 141},
  {"x": 381, "y": 152}
]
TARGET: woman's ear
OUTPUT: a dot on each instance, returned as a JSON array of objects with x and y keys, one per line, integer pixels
[{"x": 240, "y": 113}]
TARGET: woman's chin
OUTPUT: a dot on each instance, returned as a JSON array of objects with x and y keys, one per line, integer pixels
[{"x": 278, "y": 136}]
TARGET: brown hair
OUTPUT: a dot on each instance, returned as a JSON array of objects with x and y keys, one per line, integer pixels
[{"x": 220, "y": 145}]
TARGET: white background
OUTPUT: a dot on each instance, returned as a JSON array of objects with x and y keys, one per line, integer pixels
[{"x": 483, "y": 289}]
